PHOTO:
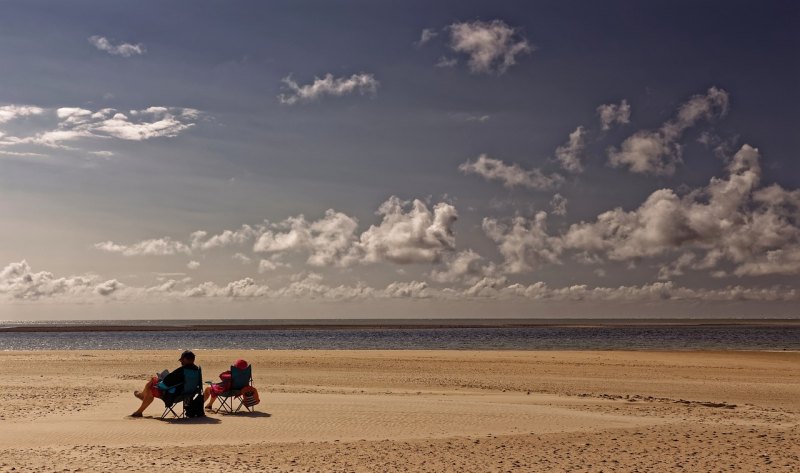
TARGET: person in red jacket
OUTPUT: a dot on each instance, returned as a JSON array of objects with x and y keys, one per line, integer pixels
[{"x": 211, "y": 392}]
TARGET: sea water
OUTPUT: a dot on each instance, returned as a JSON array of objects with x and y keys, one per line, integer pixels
[{"x": 733, "y": 337}]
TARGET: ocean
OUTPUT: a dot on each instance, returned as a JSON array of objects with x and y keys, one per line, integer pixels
[{"x": 117, "y": 336}]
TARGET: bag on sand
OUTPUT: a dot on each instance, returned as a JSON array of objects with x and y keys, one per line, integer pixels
[
  {"x": 195, "y": 407},
  {"x": 250, "y": 396}
]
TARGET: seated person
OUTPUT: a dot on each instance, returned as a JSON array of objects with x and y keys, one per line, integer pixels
[
  {"x": 152, "y": 390},
  {"x": 211, "y": 392}
]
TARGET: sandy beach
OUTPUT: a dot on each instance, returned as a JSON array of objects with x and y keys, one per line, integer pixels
[{"x": 413, "y": 411}]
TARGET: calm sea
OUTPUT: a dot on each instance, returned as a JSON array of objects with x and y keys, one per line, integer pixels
[{"x": 734, "y": 337}]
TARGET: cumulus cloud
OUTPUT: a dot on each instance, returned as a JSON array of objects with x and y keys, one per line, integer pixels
[
  {"x": 730, "y": 220},
  {"x": 328, "y": 240},
  {"x": 200, "y": 240},
  {"x": 19, "y": 281},
  {"x": 364, "y": 84},
  {"x": 613, "y": 113},
  {"x": 491, "y": 47},
  {"x": 409, "y": 232},
  {"x": 659, "y": 151},
  {"x": 120, "y": 49},
  {"x": 12, "y": 112},
  {"x": 510, "y": 175},
  {"x": 193, "y": 264},
  {"x": 462, "y": 266},
  {"x": 524, "y": 243},
  {"x": 569, "y": 155}
]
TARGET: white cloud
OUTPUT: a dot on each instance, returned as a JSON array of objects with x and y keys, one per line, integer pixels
[
  {"x": 328, "y": 85},
  {"x": 510, "y": 175},
  {"x": 19, "y": 281},
  {"x": 659, "y": 151},
  {"x": 462, "y": 266},
  {"x": 730, "y": 220},
  {"x": 121, "y": 49},
  {"x": 524, "y": 243},
  {"x": 614, "y": 113},
  {"x": 569, "y": 154},
  {"x": 245, "y": 234},
  {"x": 152, "y": 247},
  {"x": 416, "y": 235},
  {"x": 492, "y": 47},
  {"x": 193, "y": 264},
  {"x": 75, "y": 123},
  {"x": 328, "y": 240},
  {"x": 12, "y": 112}
]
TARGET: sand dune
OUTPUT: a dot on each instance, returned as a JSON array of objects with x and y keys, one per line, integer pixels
[{"x": 414, "y": 411}]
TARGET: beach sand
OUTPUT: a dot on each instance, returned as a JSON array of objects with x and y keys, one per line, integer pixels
[{"x": 413, "y": 411}]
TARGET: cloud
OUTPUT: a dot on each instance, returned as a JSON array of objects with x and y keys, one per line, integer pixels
[
  {"x": 558, "y": 205},
  {"x": 614, "y": 113},
  {"x": 569, "y": 154},
  {"x": 523, "y": 243},
  {"x": 659, "y": 151},
  {"x": 492, "y": 47},
  {"x": 12, "y": 112},
  {"x": 152, "y": 247},
  {"x": 426, "y": 35},
  {"x": 75, "y": 123},
  {"x": 445, "y": 61},
  {"x": 200, "y": 240},
  {"x": 409, "y": 232},
  {"x": 120, "y": 49},
  {"x": 730, "y": 220},
  {"x": 357, "y": 83},
  {"x": 328, "y": 240},
  {"x": 193, "y": 264},
  {"x": 510, "y": 175},
  {"x": 265, "y": 265},
  {"x": 462, "y": 266},
  {"x": 242, "y": 258},
  {"x": 19, "y": 281}
]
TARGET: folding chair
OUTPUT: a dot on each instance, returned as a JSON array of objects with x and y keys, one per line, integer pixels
[
  {"x": 183, "y": 393},
  {"x": 240, "y": 379}
]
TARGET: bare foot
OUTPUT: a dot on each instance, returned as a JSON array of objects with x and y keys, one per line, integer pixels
[
  {"x": 138, "y": 394},
  {"x": 136, "y": 414}
]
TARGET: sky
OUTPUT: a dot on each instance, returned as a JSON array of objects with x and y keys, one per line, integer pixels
[{"x": 354, "y": 159}]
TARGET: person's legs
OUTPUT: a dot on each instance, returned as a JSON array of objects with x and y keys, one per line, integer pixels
[
  {"x": 210, "y": 397},
  {"x": 146, "y": 396}
]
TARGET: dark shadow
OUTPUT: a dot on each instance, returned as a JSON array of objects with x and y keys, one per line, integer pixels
[
  {"x": 193, "y": 421},
  {"x": 244, "y": 414}
]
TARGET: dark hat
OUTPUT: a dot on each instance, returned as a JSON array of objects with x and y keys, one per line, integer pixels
[{"x": 187, "y": 354}]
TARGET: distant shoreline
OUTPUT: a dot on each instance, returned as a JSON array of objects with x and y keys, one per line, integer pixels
[{"x": 362, "y": 324}]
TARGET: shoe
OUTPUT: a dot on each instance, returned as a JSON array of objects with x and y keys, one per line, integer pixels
[{"x": 136, "y": 414}]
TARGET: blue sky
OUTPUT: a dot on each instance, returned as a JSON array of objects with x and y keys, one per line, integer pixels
[{"x": 478, "y": 159}]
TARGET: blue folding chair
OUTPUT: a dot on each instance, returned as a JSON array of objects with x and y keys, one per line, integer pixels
[
  {"x": 240, "y": 379},
  {"x": 182, "y": 394}
]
